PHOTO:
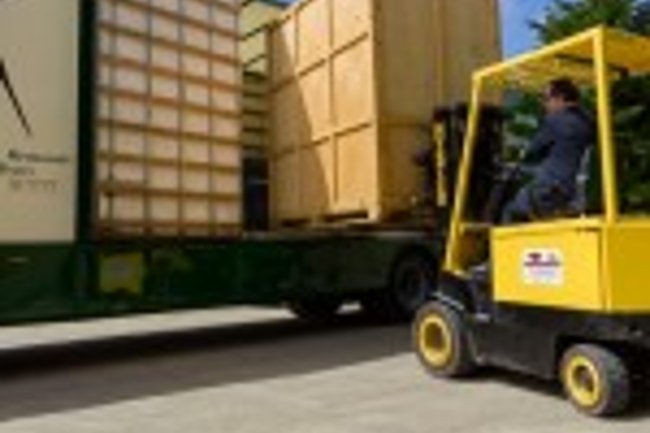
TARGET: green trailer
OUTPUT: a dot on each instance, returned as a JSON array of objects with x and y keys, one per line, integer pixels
[
  {"x": 315, "y": 274},
  {"x": 56, "y": 265}
]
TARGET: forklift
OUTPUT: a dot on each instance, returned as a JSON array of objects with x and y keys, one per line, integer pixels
[{"x": 567, "y": 297}]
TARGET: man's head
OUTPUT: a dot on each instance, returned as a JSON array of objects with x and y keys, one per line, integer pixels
[{"x": 560, "y": 94}]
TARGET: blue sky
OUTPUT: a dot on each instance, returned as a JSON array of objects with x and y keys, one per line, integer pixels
[{"x": 516, "y": 14}]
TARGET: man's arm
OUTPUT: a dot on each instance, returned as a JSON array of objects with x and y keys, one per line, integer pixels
[{"x": 541, "y": 144}]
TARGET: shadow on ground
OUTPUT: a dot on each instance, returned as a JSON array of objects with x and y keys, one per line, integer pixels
[{"x": 84, "y": 375}]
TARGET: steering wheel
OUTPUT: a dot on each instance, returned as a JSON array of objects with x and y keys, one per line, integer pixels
[{"x": 505, "y": 184}]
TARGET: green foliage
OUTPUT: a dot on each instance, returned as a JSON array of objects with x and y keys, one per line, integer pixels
[
  {"x": 522, "y": 113},
  {"x": 631, "y": 99},
  {"x": 566, "y": 17}
]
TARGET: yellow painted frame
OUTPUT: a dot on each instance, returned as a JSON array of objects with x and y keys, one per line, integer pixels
[{"x": 609, "y": 51}]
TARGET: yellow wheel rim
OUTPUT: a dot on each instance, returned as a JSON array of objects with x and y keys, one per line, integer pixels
[
  {"x": 435, "y": 342},
  {"x": 583, "y": 381}
]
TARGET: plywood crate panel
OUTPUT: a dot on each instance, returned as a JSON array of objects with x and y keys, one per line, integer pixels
[
  {"x": 169, "y": 118},
  {"x": 354, "y": 85}
]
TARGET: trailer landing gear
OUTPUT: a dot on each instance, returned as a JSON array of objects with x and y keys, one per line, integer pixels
[{"x": 320, "y": 309}]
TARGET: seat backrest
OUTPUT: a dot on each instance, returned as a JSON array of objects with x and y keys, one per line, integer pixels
[
  {"x": 579, "y": 204},
  {"x": 587, "y": 198}
]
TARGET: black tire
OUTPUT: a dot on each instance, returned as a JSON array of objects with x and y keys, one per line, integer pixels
[
  {"x": 316, "y": 309},
  {"x": 411, "y": 283},
  {"x": 595, "y": 380},
  {"x": 442, "y": 342}
]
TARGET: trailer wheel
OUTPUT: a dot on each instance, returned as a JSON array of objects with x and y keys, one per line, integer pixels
[
  {"x": 596, "y": 381},
  {"x": 441, "y": 340},
  {"x": 411, "y": 284},
  {"x": 315, "y": 309}
]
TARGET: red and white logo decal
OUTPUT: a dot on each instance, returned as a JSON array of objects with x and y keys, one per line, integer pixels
[{"x": 543, "y": 267}]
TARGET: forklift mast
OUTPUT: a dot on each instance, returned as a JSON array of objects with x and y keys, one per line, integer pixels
[{"x": 448, "y": 137}]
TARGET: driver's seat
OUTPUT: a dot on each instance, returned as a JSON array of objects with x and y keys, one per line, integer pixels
[{"x": 588, "y": 185}]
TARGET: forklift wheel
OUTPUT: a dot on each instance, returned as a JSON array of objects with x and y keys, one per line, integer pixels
[
  {"x": 441, "y": 341},
  {"x": 595, "y": 380}
]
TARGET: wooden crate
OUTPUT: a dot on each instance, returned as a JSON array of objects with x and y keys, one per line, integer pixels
[
  {"x": 354, "y": 86},
  {"x": 169, "y": 118}
]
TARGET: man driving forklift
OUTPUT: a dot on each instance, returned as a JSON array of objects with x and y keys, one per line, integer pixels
[
  {"x": 554, "y": 156},
  {"x": 567, "y": 298}
]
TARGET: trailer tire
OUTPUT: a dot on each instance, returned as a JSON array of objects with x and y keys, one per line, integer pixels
[
  {"x": 441, "y": 340},
  {"x": 320, "y": 309},
  {"x": 411, "y": 284},
  {"x": 595, "y": 380}
]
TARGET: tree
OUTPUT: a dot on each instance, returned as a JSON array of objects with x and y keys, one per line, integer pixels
[{"x": 566, "y": 17}]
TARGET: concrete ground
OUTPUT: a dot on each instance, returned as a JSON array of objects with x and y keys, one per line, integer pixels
[{"x": 249, "y": 371}]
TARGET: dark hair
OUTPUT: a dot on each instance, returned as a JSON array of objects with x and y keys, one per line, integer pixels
[{"x": 564, "y": 88}]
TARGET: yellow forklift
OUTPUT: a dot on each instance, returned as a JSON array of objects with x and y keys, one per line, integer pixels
[{"x": 566, "y": 297}]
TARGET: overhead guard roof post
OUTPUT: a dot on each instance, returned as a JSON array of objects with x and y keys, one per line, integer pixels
[
  {"x": 452, "y": 259},
  {"x": 605, "y": 124},
  {"x": 579, "y": 48},
  {"x": 548, "y": 52}
]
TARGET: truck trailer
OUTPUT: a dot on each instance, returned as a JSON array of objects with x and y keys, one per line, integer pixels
[{"x": 121, "y": 177}]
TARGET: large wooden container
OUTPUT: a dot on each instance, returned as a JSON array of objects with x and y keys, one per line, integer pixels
[
  {"x": 354, "y": 86},
  {"x": 169, "y": 118}
]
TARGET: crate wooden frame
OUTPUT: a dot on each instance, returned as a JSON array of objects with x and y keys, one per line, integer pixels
[{"x": 348, "y": 165}]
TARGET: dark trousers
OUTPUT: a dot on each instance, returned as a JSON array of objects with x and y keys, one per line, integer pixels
[{"x": 538, "y": 200}]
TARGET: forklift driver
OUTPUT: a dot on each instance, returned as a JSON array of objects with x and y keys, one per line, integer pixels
[{"x": 554, "y": 156}]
